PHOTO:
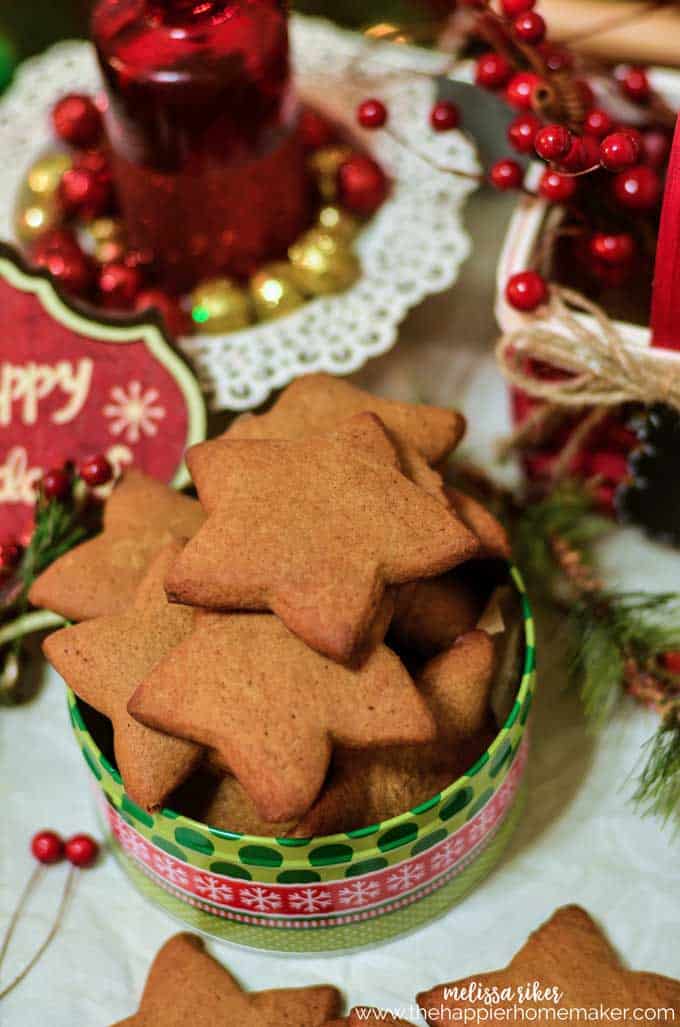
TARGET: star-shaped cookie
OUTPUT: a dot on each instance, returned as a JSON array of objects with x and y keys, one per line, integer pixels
[
  {"x": 186, "y": 987},
  {"x": 103, "y": 660},
  {"x": 313, "y": 530},
  {"x": 572, "y": 963},
  {"x": 100, "y": 576},
  {"x": 273, "y": 709}
]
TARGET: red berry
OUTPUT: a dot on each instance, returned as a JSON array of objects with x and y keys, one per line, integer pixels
[
  {"x": 81, "y": 850},
  {"x": 522, "y": 132},
  {"x": 10, "y": 555},
  {"x": 314, "y": 130},
  {"x": 598, "y": 123},
  {"x": 530, "y": 27},
  {"x": 77, "y": 120},
  {"x": 638, "y": 188},
  {"x": 671, "y": 662},
  {"x": 618, "y": 151},
  {"x": 96, "y": 471},
  {"x": 492, "y": 70},
  {"x": 513, "y": 8},
  {"x": 506, "y": 174},
  {"x": 553, "y": 142},
  {"x": 84, "y": 193},
  {"x": 119, "y": 285},
  {"x": 56, "y": 484},
  {"x": 47, "y": 847},
  {"x": 362, "y": 185},
  {"x": 444, "y": 116},
  {"x": 520, "y": 90},
  {"x": 635, "y": 85},
  {"x": 555, "y": 187},
  {"x": 556, "y": 57},
  {"x": 612, "y": 248},
  {"x": 656, "y": 146},
  {"x": 526, "y": 290},
  {"x": 372, "y": 113},
  {"x": 176, "y": 321}
]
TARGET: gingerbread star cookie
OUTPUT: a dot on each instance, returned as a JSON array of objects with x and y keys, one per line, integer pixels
[
  {"x": 493, "y": 538},
  {"x": 100, "y": 576},
  {"x": 187, "y": 986},
  {"x": 273, "y": 709},
  {"x": 313, "y": 530},
  {"x": 567, "y": 964},
  {"x": 103, "y": 660}
]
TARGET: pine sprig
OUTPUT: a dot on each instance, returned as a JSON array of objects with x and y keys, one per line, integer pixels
[{"x": 658, "y": 788}]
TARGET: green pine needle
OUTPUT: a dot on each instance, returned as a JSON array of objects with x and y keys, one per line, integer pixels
[{"x": 658, "y": 789}]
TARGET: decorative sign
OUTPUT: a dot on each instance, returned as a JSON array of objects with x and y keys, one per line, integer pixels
[{"x": 73, "y": 385}]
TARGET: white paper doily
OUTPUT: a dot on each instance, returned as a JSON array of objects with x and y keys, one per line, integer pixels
[{"x": 413, "y": 247}]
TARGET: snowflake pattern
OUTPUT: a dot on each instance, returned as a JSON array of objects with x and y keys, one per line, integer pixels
[
  {"x": 359, "y": 893},
  {"x": 133, "y": 843},
  {"x": 483, "y": 824},
  {"x": 405, "y": 877},
  {"x": 170, "y": 870},
  {"x": 313, "y": 900},
  {"x": 448, "y": 854},
  {"x": 212, "y": 889},
  {"x": 133, "y": 412},
  {"x": 261, "y": 899}
]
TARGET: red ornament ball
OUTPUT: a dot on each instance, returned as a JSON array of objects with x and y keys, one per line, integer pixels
[
  {"x": 81, "y": 850},
  {"x": 84, "y": 193},
  {"x": 638, "y": 188},
  {"x": 557, "y": 188},
  {"x": 56, "y": 484},
  {"x": 77, "y": 120},
  {"x": 96, "y": 471},
  {"x": 176, "y": 321},
  {"x": 612, "y": 247},
  {"x": 553, "y": 142},
  {"x": 619, "y": 150},
  {"x": 314, "y": 130},
  {"x": 530, "y": 27},
  {"x": 505, "y": 175},
  {"x": 444, "y": 116},
  {"x": 635, "y": 85},
  {"x": 119, "y": 285},
  {"x": 71, "y": 269},
  {"x": 520, "y": 90},
  {"x": 362, "y": 185},
  {"x": 522, "y": 132},
  {"x": 513, "y": 8},
  {"x": 47, "y": 847},
  {"x": 526, "y": 290},
  {"x": 492, "y": 70},
  {"x": 598, "y": 123},
  {"x": 372, "y": 113}
]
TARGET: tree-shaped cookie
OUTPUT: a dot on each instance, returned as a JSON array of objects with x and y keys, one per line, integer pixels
[{"x": 313, "y": 530}]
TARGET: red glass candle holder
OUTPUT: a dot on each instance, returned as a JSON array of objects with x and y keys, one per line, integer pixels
[{"x": 201, "y": 122}]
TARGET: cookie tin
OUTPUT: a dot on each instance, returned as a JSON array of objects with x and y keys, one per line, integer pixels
[{"x": 325, "y": 893}]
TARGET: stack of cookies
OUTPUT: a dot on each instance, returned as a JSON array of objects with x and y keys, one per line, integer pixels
[{"x": 298, "y": 651}]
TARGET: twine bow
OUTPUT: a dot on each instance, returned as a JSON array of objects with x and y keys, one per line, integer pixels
[{"x": 605, "y": 370}]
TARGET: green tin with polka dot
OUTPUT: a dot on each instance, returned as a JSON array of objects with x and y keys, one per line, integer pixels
[{"x": 325, "y": 893}]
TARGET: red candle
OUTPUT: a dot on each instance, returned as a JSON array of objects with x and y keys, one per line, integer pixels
[{"x": 201, "y": 122}]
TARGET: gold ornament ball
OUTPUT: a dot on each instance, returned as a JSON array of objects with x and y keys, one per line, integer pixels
[
  {"x": 36, "y": 215},
  {"x": 323, "y": 264},
  {"x": 109, "y": 250},
  {"x": 220, "y": 305},
  {"x": 325, "y": 164},
  {"x": 45, "y": 175},
  {"x": 274, "y": 291},
  {"x": 106, "y": 230},
  {"x": 338, "y": 222}
]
